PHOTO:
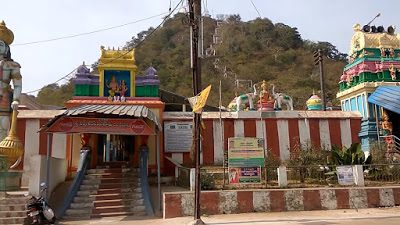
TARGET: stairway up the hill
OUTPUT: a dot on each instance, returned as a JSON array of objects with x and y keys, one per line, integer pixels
[{"x": 108, "y": 191}]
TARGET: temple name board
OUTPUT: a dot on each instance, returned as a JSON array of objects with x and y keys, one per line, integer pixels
[{"x": 101, "y": 126}]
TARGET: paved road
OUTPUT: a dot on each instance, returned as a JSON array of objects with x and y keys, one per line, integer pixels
[{"x": 386, "y": 216}]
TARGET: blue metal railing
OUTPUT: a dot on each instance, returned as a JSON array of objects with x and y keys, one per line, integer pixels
[
  {"x": 144, "y": 183},
  {"x": 73, "y": 189}
]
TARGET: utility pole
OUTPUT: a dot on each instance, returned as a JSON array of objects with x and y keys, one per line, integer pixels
[
  {"x": 194, "y": 20},
  {"x": 319, "y": 60}
]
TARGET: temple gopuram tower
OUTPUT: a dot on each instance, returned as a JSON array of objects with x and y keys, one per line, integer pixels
[{"x": 370, "y": 82}]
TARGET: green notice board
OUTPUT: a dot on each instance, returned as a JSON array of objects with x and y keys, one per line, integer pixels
[{"x": 245, "y": 152}]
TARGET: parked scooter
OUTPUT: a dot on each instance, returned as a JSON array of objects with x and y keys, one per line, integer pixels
[{"x": 38, "y": 210}]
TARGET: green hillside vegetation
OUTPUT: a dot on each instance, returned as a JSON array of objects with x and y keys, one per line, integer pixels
[{"x": 255, "y": 50}]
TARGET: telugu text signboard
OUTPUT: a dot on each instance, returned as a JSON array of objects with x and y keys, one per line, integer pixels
[
  {"x": 245, "y": 152},
  {"x": 178, "y": 136},
  {"x": 244, "y": 175},
  {"x": 101, "y": 126}
]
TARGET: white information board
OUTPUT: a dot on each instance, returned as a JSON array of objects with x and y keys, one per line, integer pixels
[
  {"x": 178, "y": 136},
  {"x": 345, "y": 175}
]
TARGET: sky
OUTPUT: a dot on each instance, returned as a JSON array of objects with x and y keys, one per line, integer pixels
[{"x": 44, "y": 63}]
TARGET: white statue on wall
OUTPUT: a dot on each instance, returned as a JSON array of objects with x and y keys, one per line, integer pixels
[
  {"x": 242, "y": 100},
  {"x": 281, "y": 98}
]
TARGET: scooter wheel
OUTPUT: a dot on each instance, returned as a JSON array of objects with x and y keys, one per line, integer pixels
[{"x": 53, "y": 221}]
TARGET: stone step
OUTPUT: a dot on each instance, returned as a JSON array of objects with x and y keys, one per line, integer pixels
[
  {"x": 77, "y": 217},
  {"x": 13, "y": 207},
  {"x": 110, "y": 209},
  {"x": 119, "y": 190},
  {"x": 118, "y": 209},
  {"x": 81, "y": 211},
  {"x": 110, "y": 181},
  {"x": 14, "y": 201},
  {"x": 113, "y": 214},
  {"x": 117, "y": 164},
  {"x": 90, "y": 187},
  {"x": 98, "y": 191},
  {"x": 8, "y": 214},
  {"x": 12, "y": 220},
  {"x": 78, "y": 199},
  {"x": 118, "y": 202},
  {"x": 112, "y": 170},
  {"x": 117, "y": 196},
  {"x": 75, "y": 205},
  {"x": 83, "y": 193},
  {"x": 109, "y": 175}
]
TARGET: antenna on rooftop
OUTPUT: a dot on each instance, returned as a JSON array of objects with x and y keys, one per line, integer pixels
[{"x": 377, "y": 15}]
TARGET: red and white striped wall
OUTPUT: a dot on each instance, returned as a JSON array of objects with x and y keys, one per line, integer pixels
[
  {"x": 178, "y": 204},
  {"x": 283, "y": 131}
]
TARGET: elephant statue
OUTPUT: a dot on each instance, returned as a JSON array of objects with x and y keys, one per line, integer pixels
[
  {"x": 243, "y": 99},
  {"x": 281, "y": 98}
]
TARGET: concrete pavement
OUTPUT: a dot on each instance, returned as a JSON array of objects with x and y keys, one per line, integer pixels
[{"x": 387, "y": 216}]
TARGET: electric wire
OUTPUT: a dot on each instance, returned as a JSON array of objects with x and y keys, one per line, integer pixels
[
  {"x": 255, "y": 7},
  {"x": 122, "y": 55},
  {"x": 88, "y": 33},
  {"x": 147, "y": 36},
  {"x": 62, "y": 78}
]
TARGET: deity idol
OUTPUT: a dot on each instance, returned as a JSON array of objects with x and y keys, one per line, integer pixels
[{"x": 9, "y": 71}]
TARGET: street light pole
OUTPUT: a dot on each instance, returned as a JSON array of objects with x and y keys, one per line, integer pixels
[
  {"x": 194, "y": 18},
  {"x": 319, "y": 60}
]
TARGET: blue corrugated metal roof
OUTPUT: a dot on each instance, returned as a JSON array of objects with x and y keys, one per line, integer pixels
[{"x": 388, "y": 97}]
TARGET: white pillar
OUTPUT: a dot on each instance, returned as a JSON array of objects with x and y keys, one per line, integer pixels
[
  {"x": 192, "y": 178},
  {"x": 282, "y": 176},
  {"x": 358, "y": 175},
  {"x": 108, "y": 145}
]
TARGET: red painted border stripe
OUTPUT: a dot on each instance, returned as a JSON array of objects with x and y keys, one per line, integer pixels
[
  {"x": 174, "y": 209},
  {"x": 334, "y": 132},
  {"x": 315, "y": 133},
  {"x": 208, "y": 143},
  {"x": 272, "y": 136},
  {"x": 355, "y": 126},
  {"x": 249, "y": 128},
  {"x": 245, "y": 201},
  {"x": 186, "y": 158},
  {"x": 294, "y": 135},
  {"x": 228, "y": 131}
]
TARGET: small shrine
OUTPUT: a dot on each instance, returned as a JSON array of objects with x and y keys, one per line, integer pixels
[
  {"x": 369, "y": 82},
  {"x": 314, "y": 102}
]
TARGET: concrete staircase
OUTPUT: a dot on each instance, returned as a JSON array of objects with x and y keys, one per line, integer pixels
[
  {"x": 108, "y": 192},
  {"x": 12, "y": 208}
]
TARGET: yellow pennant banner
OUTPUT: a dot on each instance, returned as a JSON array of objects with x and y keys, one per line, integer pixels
[{"x": 201, "y": 99}]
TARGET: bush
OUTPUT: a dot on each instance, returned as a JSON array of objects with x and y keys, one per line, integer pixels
[
  {"x": 308, "y": 156},
  {"x": 350, "y": 156},
  {"x": 207, "y": 181}
]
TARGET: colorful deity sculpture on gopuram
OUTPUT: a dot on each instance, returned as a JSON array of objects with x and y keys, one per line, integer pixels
[
  {"x": 370, "y": 81},
  {"x": 10, "y": 146}
]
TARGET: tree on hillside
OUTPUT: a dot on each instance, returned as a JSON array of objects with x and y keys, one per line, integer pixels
[
  {"x": 53, "y": 94},
  {"x": 254, "y": 50}
]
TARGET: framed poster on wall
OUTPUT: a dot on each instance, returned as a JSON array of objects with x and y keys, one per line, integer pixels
[{"x": 117, "y": 83}]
